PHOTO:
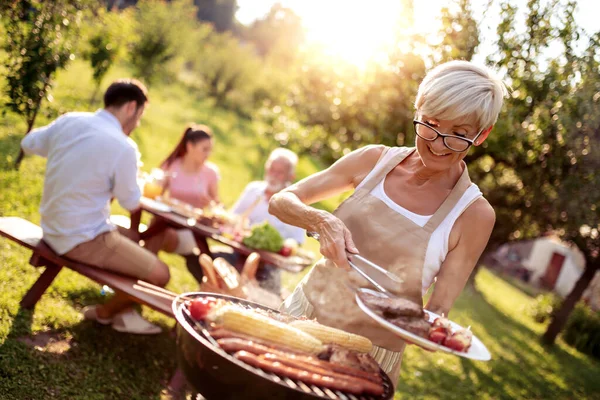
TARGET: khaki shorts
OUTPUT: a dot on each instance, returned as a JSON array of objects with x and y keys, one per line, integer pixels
[{"x": 116, "y": 252}]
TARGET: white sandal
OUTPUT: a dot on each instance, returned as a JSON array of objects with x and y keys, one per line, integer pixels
[
  {"x": 129, "y": 321},
  {"x": 91, "y": 313}
]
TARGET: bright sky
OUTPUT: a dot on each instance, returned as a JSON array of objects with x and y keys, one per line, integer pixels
[{"x": 357, "y": 31}]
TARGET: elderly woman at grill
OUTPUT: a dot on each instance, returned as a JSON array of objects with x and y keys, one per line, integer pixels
[{"x": 414, "y": 211}]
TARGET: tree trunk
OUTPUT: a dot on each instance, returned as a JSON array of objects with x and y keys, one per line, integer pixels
[
  {"x": 562, "y": 316},
  {"x": 30, "y": 123}
]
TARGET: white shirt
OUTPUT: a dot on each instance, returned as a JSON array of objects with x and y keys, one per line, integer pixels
[
  {"x": 260, "y": 213},
  {"x": 90, "y": 160},
  {"x": 437, "y": 248}
]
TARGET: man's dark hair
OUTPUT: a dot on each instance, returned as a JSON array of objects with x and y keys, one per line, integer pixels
[{"x": 125, "y": 90}]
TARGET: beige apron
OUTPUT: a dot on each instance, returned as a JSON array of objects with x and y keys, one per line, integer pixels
[{"x": 390, "y": 240}]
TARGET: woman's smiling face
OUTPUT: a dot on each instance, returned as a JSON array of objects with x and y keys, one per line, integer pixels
[{"x": 435, "y": 154}]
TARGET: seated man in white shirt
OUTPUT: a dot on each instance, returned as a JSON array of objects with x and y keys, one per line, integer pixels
[
  {"x": 280, "y": 171},
  {"x": 91, "y": 160}
]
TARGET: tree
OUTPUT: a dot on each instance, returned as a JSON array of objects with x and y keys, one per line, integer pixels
[
  {"x": 106, "y": 35},
  {"x": 165, "y": 31},
  {"x": 539, "y": 167},
  {"x": 279, "y": 35},
  {"x": 38, "y": 43}
]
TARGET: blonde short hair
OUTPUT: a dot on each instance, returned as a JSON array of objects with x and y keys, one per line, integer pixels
[
  {"x": 461, "y": 89},
  {"x": 284, "y": 154}
]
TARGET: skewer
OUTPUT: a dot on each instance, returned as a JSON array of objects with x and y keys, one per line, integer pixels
[{"x": 158, "y": 291}]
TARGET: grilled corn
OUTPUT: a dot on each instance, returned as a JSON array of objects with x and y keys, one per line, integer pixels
[
  {"x": 262, "y": 327},
  {"x": 329, "y": 335}
]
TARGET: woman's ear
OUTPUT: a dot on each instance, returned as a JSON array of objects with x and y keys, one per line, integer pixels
[{"x": 483, "y": 136}]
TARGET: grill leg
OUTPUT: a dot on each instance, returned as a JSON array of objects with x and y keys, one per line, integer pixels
[{"x": 39, "y": 287}]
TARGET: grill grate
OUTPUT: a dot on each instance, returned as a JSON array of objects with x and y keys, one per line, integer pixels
[{"x": 320, "y": 392}]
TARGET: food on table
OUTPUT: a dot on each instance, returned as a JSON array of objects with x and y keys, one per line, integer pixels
[
  {"x": 208, "y": 269},
  {"x": 152, "y": 190},
  {"x": 251, "y": 266},
  {"x": 251, "y": 323},
  {"x": 264, "y": 237},
  {"x": 227, "y": 273},
  {"x": 329, "y": 335},
  {"x": 290, "y": 247}
]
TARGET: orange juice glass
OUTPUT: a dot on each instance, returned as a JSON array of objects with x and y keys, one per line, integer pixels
[{"x": 152, "y": 190}]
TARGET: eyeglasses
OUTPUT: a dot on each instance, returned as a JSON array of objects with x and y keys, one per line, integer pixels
[{"x": 453, "y": 142}]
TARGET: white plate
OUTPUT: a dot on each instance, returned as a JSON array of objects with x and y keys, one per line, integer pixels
[
  {"x": 477, "y": 351},
  {"x": 156, "y": 205}
]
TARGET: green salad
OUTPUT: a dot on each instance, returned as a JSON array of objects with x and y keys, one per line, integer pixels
[{"x": 264, "y": 237}]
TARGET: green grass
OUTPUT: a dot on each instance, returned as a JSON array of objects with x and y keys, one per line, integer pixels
[{"x": 87, "y": 361}]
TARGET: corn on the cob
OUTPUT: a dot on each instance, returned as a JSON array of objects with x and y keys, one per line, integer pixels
[
  {"x": 329, "y": 335},
  {"x": 262, "y": 327}
]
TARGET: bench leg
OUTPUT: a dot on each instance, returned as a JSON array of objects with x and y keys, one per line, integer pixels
[{"x": 39, "y": 287}]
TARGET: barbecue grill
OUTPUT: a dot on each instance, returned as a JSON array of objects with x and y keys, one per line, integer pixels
[{"x": 217, "y": 375}]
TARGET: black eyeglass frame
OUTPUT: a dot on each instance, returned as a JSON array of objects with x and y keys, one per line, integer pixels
[{"x": 470, "y": 142}]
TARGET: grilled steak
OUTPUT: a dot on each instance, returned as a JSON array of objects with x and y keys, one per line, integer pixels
[
  {"x": 339, "y": 355},
  {"x": 416, "y": 325},
  {"x": 391, "y": 307}
]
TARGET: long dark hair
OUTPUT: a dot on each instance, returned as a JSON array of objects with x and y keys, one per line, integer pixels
[{"x": 193, "y": 134}]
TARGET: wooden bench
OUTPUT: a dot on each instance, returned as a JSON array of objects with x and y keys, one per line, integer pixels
[{"x": 29, "y": 235}]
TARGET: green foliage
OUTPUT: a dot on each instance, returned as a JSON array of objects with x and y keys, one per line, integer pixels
[
  {"x": 278, "y": 35},
  {"x": 264, "y": 237},
  {"x": 105, "y": 36},
  {"x": 38, "y": 43},
  {"x": 223, "y": 67},
  {"x": 538, "y": 168},
  {"x": 165, "y": 32},
  {"x": 543, "y": 307},
  {"x": 583, "y": 330}
]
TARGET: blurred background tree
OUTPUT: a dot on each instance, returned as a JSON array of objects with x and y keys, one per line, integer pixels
[{"x": 39, "y": 37}]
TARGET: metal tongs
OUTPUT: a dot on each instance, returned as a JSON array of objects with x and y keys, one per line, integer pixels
[{"x": 378, "y": 270}]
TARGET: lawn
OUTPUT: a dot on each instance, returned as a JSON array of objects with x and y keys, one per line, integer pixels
[{"x": 53, "y": 353}]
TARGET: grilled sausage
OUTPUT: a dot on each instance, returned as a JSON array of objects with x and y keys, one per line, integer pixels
[
  {"x": 367, "y": 386},
  {"x": 251, "y": 265},
  {"x": 209, "y": 270},
  {"x": 304, "y": 376},
  {"x": 305, "y": 362}
]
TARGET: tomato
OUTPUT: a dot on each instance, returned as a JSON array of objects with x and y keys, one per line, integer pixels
[
  {"x": 285, "y": 251},
  {"x": 200, "y": 307}
]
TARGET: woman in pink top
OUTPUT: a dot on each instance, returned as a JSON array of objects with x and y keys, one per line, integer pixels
[{"x": 192, "y": 180}]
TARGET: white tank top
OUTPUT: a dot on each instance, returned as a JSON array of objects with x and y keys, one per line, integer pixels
[{"x": 437, "y": 248}]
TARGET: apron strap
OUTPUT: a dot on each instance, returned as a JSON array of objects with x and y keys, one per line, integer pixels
[
  {"x": 385, "y": 168},
  {"x": 464, "y": 182}
]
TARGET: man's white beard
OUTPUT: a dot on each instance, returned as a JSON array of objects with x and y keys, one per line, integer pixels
[{"x": 274, "y": 186}]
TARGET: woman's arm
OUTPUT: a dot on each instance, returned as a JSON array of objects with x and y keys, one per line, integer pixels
[
  {"x": 292, "y": 204},
  {"x": 468, "y": 239},
  {"x": 213, "y": 191}
]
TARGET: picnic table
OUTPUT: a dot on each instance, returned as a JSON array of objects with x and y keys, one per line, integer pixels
[{"x": 171, "y": 218}]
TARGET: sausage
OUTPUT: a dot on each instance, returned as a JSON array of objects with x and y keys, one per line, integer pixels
[
  {"x": 367, "y": 386},
  {"x": 209, "y": 270},
  {"x": 309, "y": 363},
  {"x": 250, "y": 266},
  {"x": 227, "y": 274},
  {"x": 278, "y": 368}
]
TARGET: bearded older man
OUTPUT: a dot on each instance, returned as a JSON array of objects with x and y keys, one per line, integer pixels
[{"x": 280, "y": 171}]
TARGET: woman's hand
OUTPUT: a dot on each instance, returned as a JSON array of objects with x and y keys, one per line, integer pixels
[{"x": 335, "y": 240}]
